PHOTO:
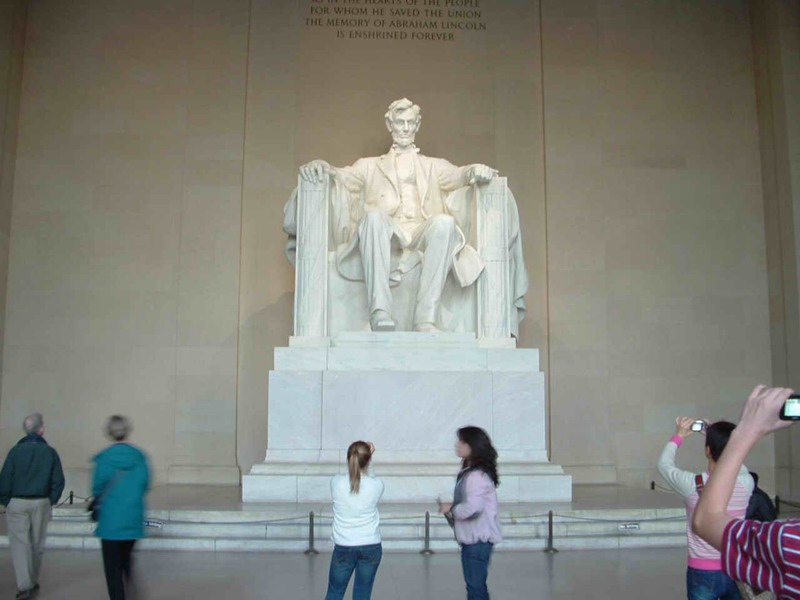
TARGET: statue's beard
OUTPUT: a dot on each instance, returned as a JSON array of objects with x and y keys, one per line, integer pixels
[{"x": 403, "y": 140}]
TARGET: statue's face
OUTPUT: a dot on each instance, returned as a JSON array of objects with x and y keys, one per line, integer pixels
[{"x": 404, "y": 127}]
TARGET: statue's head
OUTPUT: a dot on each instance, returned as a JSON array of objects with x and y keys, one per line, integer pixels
[{"x": 402, "y": 120}]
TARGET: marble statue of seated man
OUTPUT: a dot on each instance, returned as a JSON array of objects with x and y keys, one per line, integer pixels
[{"x": 391, "y": 213}]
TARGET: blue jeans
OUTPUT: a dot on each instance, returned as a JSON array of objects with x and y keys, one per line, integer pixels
[
  {"x": 364, "y": 560},
  {"x": 710, "y": 585},
  {"x": 475, "y": 563}
]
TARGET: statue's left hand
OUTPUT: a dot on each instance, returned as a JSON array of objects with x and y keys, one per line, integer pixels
[{"x": 481, "y": 174}]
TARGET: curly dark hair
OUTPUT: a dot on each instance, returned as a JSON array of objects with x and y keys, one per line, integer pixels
[{"x": 482, "y": 454}]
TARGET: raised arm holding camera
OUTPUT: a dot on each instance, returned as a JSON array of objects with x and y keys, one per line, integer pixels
[
  {"x": 765, "y": 555},
  {"x": 704, "y": 575}
]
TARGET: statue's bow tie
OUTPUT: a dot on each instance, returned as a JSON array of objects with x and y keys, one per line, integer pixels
[{"x": 397, "y": 150}]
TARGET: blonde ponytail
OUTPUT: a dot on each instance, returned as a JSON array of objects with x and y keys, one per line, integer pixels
[{"x": 358, "y": 457}]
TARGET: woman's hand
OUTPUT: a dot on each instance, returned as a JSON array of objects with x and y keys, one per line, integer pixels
[
  {"x": 761, "y": 412},
  {"x": 683, "y": 426},
  {"x": 444, "y": 507}
]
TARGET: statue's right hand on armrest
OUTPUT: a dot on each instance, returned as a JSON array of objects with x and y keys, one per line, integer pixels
[
  {"x": 316, "y": 171},
  {"x": 479, "y": 173}
]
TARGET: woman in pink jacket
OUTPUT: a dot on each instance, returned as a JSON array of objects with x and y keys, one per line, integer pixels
[{"x": 473, "y": 512}]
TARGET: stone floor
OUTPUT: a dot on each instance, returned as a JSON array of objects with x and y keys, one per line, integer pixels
[{"x": 592, "y": 574}]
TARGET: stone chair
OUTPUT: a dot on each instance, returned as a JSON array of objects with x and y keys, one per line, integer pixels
[{"x": 327, "y": 304}]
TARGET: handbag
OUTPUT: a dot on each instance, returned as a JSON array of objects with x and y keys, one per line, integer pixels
[
  {"x": 96, "y": 501},
  {"x": 748, "y": 593},
  {"x": 458, "y": 496}
]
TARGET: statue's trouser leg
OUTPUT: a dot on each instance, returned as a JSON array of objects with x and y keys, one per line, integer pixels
[
  {"x": 375, "y": 243},
  {"x": 439, "y": 241}
]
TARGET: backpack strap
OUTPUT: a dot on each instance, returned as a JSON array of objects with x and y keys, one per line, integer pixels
[{"x": 698, "y": 483}]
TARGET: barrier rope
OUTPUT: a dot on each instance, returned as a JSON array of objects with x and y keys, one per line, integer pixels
[
  {"x": 300, "y": 518},
  {"x": 427, "y": 550},
  {"x": 70, "y": 499},
  {"x": 515, "y": 520},
  {"x": 628, "y": 520}
]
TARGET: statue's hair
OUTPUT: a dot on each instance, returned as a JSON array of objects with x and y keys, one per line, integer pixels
[{"x": 400, "y": 105}]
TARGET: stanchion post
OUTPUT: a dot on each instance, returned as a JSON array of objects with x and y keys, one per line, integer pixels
[
  {"x": 311, "y": 549},
  {"x": 427, "y": 549},
  {"x": 71, "y": 496},
  {"x": 777, "y": 505},
  {"x": 550, "y": 549}
]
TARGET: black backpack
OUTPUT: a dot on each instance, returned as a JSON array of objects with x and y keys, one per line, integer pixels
[{"x": 760, "y": 507}]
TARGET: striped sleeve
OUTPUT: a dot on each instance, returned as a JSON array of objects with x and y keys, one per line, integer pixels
[
  {"x": 765, "y": 555},
  {"x": 790, "y": 554}
]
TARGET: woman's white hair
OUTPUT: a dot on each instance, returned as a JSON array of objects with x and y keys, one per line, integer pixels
[
  {"x": 118, "y": 427},
  {"x": 33, "y": 423}
]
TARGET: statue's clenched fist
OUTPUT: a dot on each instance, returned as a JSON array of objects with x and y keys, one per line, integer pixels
[
  {"x": 316, "y": 171},
  {"x": 480, "y": 174}
]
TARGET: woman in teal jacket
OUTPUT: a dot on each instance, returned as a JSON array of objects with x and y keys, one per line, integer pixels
[{"x": 121, "y": 480}]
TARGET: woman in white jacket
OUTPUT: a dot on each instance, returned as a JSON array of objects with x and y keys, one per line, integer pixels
[{"x": 356, "y": 521}]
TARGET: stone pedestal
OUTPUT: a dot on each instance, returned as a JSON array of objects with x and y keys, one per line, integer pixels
[{"x": 407, "y": 393}]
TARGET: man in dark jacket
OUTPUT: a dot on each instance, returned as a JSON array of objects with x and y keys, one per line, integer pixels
[{"x": 31, "y": 482}]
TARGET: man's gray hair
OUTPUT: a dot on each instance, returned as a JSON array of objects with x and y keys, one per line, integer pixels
[
  {"x": 118, "y": 427},
  {"x": 401, "y": 105},
  {"x": 33, "y": 423}
]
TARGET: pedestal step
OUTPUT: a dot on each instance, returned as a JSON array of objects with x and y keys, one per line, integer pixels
[
  {"x": 404, "y": 339},
  {"x": 401, "y": 358},
  {"x": 401, "y": 339},
  {"x": 417, "y": 469},
  {"x": 291, "y": 482},
  {"x": 286, "y": 528}
]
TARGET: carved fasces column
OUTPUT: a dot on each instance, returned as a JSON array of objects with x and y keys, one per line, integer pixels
[
  {"x": 311, "y": 269},
  {"x": 494, "y": 318}
]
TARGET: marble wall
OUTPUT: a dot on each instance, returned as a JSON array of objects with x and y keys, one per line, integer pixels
[
  {"x": 12, "y": 41},
  {"x": 158, "y": 142},
  {"x": 776, "y": 27},
  {"x": 123, "y": 283},
  {"x": 656, "y": 246}
]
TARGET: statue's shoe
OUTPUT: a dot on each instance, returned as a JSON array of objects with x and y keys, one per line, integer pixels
[
  {"x": 427, "y": 328},
  {"x": 382, "y": 321}
]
